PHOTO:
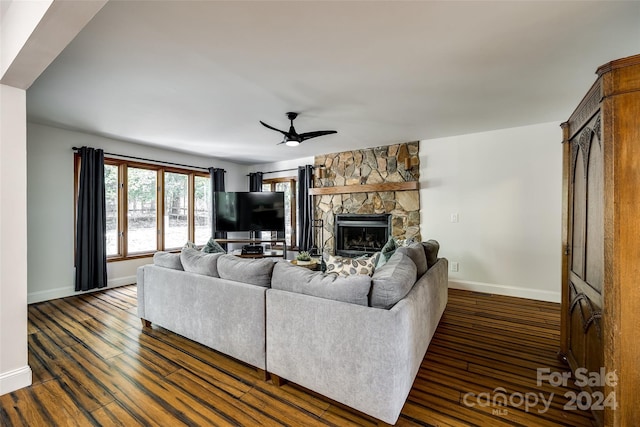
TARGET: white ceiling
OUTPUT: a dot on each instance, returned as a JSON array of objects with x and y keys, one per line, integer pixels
[{"x": 198, "y": 76}]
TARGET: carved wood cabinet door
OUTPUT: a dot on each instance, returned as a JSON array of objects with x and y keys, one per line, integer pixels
[{"x": 585, "y": 249}]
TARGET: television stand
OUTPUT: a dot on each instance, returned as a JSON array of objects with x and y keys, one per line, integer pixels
[{"x": 278, "y": 254}]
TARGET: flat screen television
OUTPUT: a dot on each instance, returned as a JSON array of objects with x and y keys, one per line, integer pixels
[{"x": 249, "y": 211}]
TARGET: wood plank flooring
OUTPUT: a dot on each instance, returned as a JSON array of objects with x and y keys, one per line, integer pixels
[{"x": 94, "y": 365}]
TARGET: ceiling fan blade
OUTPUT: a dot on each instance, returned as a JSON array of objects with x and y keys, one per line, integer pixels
[
  {"x": 272, "y": 128},
  {"x": 309, "y": 135}
]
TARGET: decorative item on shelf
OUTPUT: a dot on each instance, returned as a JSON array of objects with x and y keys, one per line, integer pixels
[{"x": 408, "y": 163}]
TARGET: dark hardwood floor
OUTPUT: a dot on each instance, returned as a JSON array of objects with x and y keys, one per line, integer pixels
[{"x": 94, "y": 364}]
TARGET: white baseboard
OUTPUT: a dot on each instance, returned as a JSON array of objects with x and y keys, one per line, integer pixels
[
  {"x": 511, "y": 291},
  {"x": 15, "y": 380},
  {"x": 56, "y": 293}
]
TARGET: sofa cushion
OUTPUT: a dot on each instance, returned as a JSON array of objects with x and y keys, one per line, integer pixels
[
  {"x": 431, "y": 248},
  {"x": 352, "y": 289},
  {"x": 415, "y": 251},
  {"x": 393, "y": 281},
  {"x": 344, "y": 266},
  {"x": 195, "y": 261},
  {"x": 213, "y": 247},
  {"x": 253, "y": 271},
  {"x": 167, "y": 260}
]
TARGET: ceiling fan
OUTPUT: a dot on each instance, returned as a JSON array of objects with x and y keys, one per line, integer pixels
[{"x": 293, "y": 138}]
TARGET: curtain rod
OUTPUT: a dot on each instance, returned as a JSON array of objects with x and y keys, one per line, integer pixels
[
  {"x": 150, "y": 160},
  {"x": 281, "y": 170}
]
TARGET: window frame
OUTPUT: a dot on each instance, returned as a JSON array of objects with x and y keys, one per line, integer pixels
[
  {"x": 293, "y": 182},
  {"x": 123, "y": 165}
]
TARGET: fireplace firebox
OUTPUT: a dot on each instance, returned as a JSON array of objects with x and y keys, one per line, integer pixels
[{"x": 361, "y": 234}]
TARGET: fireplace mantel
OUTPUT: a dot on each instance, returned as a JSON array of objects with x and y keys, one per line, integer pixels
[{"x": 366, "y": 188}]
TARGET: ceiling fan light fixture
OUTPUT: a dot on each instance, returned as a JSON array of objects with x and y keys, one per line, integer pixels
[{"x": 293, "y": 138}]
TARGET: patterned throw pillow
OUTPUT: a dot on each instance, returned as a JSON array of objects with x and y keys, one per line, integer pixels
[
  {"x": 213, "y": 247},
  {"x": 189, "y": 245},
  {"x": 344, "y": 266}
]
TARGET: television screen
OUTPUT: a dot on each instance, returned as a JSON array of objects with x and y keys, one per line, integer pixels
[{"x": 245, "y": 211}]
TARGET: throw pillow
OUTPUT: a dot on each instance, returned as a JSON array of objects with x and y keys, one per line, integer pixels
[
  {"x": 351, "y": 289},
  {"x": 253, "y": 271},
  {"x": 213, "y": 247},
  {"x": 415, "y": 251},
  {"x": 387, "y": 251},
  {"x": 393, "y": 281},
  {"x": 344, "y": 266},
  {"x": 195, "y": 261},
  {"x": 431, "y": 248},
  {"x": 189, "y": 245},
  {"x": 167, "y": 260}
]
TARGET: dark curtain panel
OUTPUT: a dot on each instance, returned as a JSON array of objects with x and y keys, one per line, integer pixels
[
  {"x": 255, "y": 181},
  {"x": 91, "y": 242},
  {"x": 217, "y": 184},
  {"x": 305, "y": 207}
]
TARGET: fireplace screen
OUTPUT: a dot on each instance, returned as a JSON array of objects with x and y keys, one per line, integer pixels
[{"x": 361, "y": 234}]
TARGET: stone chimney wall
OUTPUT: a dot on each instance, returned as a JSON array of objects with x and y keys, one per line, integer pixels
[{"x": 369, "y": 166}]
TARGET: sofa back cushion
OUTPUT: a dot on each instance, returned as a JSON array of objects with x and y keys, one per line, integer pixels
[
  {"x": 195, "y": 261},
  {"x": 353, "y": 289},
  {"x": 415, "y": 251},
  {"x": 167, "y": 260},
  {"x": 393, "y": 281},
  {"x": 431, "y": 248},
  {"x": 246, "y": 270}
]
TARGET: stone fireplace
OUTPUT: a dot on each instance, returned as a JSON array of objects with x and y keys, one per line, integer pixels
[
  {"x": 357, "y": 234},
  {"x": 373, "y": 181}
]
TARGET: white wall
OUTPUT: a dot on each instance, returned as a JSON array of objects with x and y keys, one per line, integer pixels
[
  {"x": 506, "y": 186},
  {"x": 50, "y": 205},
  {"x": 284, "y": 166},
  {"x": 15, "y": 372},
  {"x": 30, "y": 38}
]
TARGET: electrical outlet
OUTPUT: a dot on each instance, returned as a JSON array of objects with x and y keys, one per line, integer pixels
[
  {"x": 454, "y": 217},
  {"x": 454, "y": 266}
]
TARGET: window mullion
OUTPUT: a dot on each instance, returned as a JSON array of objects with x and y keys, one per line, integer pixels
[
  {"x": 124, "y": 207},
  {"x": 160, "y": 210},
  {"x": 121, "y": 209},
  {"x": 191, "y": 221}
]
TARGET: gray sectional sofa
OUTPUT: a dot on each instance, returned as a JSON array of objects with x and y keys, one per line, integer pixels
[
  {"x": 220, "y": 302},
  {"x": 356, "y": 339}
]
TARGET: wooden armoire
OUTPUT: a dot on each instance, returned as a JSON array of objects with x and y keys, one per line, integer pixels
[{"x": 601, "y": 239}]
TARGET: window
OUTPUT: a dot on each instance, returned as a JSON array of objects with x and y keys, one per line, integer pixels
[
  {"x": 176, "y": 209},
  {"x": 151, "y": 207},
  {"x": 141, "y": 210},
  {"x": 111, "y": 203},
  {"x": 202, "y": 210},
  {"x": 288, "y": 186}
]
